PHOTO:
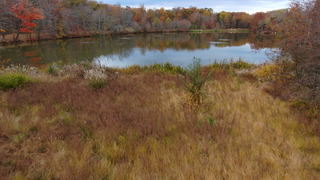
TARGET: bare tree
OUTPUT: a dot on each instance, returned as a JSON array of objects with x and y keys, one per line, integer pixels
[{"x": 126, "y": 17}]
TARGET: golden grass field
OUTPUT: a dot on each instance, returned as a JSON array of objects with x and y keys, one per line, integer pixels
[{"x": 138, "y": 127}]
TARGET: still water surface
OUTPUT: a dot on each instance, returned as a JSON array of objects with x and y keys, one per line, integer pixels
[{"x": 143, "y": 49}]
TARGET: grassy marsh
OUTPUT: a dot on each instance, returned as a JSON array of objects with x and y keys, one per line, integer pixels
[{"x": 137, "y": 126}]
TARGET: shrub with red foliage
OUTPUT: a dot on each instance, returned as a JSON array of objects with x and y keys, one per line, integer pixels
[{"x": 299, "y": 60}]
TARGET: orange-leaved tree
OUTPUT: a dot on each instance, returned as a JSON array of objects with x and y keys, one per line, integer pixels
[
  {"x": 137, "y": 17},
  {"x": 26, "y": 15}
]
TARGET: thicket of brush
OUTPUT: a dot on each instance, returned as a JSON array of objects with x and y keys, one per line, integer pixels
[{"x": 138, "y": 126}]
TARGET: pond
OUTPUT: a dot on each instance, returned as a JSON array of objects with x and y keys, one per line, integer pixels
[{"x": 142, "y": 49}]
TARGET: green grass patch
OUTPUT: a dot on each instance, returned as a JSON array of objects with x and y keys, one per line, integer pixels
[
  {"x": 97, "y": 84},
  {"x": 226, "y": 64},
  {"x": 12, "y": 81},
  {"x": 162, "y": 67}
]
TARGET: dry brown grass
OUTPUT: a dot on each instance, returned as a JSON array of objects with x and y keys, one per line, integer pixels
[{"x": 136, "y": 127}]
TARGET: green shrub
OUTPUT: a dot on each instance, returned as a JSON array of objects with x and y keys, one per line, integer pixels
[
  {"x": 162, "y": 67},
  {"x": 52, "y": 70},
  {"x": 220, "y": 65},
  {"x": 167, "y": 67},
  {"x": 98, "y": 83},
  {"x": 12, "y": 81},
  {"x": 231, "y": 64},
  {"x": 240, "y": 64},
  {"x": 194, "y": 84},
  {"x": 56, "y": 68}
]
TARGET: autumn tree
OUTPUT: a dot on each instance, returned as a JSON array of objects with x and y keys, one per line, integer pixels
[
  {"x": 237, "y": 18},
  {"x": 126, "y": 18},
  {"x": 170, "y": 14},
  {"x": 245, "y": 21},
  {"x": 257, "y": 21},
  {"x": 141, "y": 9},
  {"x": 209, "y": 24},
  {"x": 270, "y": 24},
  {"x": 162, "y": 19},
  {"x": 195, "y": 19},
  {"x": 186, "y": 13},
  {"x": 26, "y": 15},
  {"x": 61, "y": 18},
  {"x": 161, "y": 11},
  {"x": 168, "y": 23},
  {"x": 2, "y": 16},
  {"x": 277, "y": 15},
  {"x": 137, "y": 18},
  {"x": 184, "y": 25},
  {"x": 150, "y": 15},
  {"x": 136, "y": 26},
  {"x": 2, "y": 32},
  {"x": 116, "y": 14},
  {"x": 224, "y": 19},
  {"x": 145, "y": 24},
  {"x": 98, "y": 16},
  {"x": 52, "y": 14},
  {"x": 299, "y": 57},
  {"x": 206, "y": 13},
  {"x": 2, "y": 22},
  {"x": 156, "y": 23}
]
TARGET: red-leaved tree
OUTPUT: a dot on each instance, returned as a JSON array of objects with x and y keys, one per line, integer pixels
[
  {"x": 256, "y": 22},
  {"x": 26, "y": 15}
]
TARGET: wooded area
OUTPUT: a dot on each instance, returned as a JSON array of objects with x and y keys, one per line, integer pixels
[{"x": 65, "y": 18}]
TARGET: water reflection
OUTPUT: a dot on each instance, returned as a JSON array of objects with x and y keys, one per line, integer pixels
[{"x": 177, "y": 48}]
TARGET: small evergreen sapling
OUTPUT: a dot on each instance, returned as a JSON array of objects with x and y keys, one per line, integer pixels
[{"x": 193, "y": 83}]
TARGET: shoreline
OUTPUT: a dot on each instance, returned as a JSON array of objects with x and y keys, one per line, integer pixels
[
  {"x": 23, "y": 38},
  {"x": 221, "y": 30}
]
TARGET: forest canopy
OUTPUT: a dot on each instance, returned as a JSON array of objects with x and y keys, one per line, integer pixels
[{"x": 60, "y": 18}]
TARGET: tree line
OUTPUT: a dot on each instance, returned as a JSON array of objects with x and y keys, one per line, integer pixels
[{"x": 60, "y": 18}]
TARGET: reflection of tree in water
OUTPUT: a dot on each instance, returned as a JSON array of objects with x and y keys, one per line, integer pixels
[
  {"x": 182, "y": 41},
  {"x": 231, "y": 39},
  {"x": 115, "y": 47},
  {"x": 21, "y": 55},
  {"x": 259, "y": 41},
  {"x": 120, "y": 47}
]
